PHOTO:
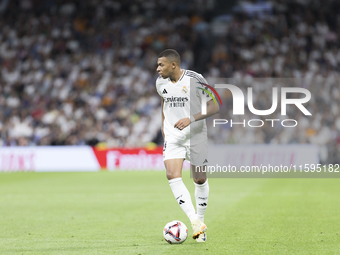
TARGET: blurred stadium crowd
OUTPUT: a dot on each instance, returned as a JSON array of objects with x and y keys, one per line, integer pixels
[{"x": 83, "y": 72}]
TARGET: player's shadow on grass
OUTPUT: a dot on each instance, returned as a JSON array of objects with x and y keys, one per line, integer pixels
[
  {"x": 186, "y": 243},
  {"x": 161, "y": 243}
]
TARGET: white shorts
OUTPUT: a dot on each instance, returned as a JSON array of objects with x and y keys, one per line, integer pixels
[{"x": 197, "y": 154}]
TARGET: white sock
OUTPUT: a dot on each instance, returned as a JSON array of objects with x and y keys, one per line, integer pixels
[
  {"x": 201, "y": 195},
  {"x": 183, "y": 198}
]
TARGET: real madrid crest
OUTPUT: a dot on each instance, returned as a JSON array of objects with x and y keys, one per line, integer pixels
[{"x": 184, "y": 90}]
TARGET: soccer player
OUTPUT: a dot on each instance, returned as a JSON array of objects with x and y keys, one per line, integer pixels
[{"x": 185, "y": 136}]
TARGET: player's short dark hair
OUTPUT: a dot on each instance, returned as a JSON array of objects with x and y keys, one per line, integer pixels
[{"x": 171, "y": 55}]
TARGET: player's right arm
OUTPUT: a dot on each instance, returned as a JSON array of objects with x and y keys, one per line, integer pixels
[
  {"x": 158, "y": 84},
  {"x": 163, "y": 119}
]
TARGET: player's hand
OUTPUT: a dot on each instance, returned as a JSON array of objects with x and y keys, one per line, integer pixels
[{"x": 182, "y": 123}]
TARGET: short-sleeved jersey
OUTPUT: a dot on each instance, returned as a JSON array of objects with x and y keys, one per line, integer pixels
[{"x": 181, "y": 100}]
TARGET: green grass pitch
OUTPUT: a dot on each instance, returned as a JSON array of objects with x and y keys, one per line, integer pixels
[{"x": 125, "y": 212}]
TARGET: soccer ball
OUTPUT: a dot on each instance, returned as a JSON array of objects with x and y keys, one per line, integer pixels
[{"x": 175, "y": 232}]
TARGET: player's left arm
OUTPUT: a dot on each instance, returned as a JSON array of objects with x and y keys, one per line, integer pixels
[{"x": 212, "y": 109}]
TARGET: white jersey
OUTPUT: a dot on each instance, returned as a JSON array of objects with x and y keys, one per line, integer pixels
[{"x": 180, "y": 101}]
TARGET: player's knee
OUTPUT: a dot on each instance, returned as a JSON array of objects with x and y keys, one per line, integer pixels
[
  {"x": 172, "y": 175},
  {"x": 200, "y": 180}
]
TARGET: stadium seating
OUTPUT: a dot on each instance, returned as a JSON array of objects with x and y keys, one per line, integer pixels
[{"x": 83, "y": 72}]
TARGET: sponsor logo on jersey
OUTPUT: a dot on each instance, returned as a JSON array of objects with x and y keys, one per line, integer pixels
[
  {"x": 176, "y": 99},
  {"x": 165, "y": 92}
]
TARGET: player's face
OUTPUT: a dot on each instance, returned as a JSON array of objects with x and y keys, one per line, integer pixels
[{"x": 164, "y": 67}]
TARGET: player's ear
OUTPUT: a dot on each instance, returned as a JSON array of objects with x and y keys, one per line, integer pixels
[{"x": 173, "y": 65}]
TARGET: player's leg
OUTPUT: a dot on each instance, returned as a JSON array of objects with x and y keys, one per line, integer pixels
[
  {"x": 173, "y": 160},
  {"x": 173, "y": 168},
  {"x": 201, "y": 189},
  {"x": 198, "y": 155},
  {"x": 201, "y": 196}
]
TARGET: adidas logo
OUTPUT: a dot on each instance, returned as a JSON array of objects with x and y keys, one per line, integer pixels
[
  {"x": 181, "y": 202},
  {"x": 165, "y": 92},
  {"x": 203, "y": 204},
  {"x": 205, "y": 161}
]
